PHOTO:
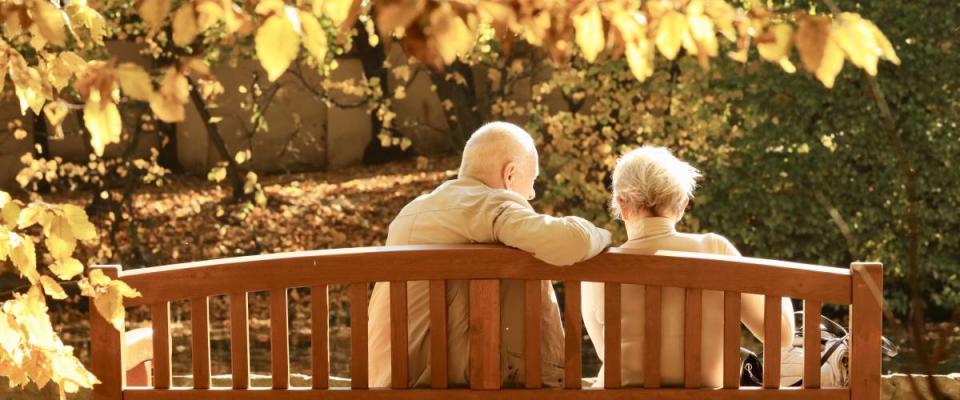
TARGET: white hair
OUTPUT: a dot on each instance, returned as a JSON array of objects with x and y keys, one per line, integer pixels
[
  {"x": 652, "y": 179},
  {"x": 494, "y": 145}
]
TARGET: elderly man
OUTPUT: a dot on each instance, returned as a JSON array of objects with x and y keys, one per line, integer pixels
[{"x": 487, "y": 203}]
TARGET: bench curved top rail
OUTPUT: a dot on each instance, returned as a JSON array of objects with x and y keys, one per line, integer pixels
[{"x": 411, "y": 263}]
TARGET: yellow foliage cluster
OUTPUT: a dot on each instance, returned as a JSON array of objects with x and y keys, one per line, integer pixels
[
  {"x": 30, "y": 349},
  {"x": 438, "y": 33}
]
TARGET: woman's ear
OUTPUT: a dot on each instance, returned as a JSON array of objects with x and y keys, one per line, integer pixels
[{"x": 624, "y": 211}]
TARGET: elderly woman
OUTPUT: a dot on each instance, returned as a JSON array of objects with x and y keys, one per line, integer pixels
[{"x": 651, "y": 189}]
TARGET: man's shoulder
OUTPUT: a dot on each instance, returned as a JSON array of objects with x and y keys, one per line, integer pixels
[{"x": 460, "y": 194}]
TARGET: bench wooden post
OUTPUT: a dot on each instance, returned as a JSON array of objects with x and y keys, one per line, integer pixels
[
  {"x": 319, "y": 338},
  {"x": 573, "y": 377},
  {"x": 866, "y": 328},
  {"x": 358, "y": 336},
  {"x": 485, "y": 334},
  {"x": 106, "y": 349}
]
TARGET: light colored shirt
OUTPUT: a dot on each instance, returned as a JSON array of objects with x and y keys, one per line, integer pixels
[
  {"x": 650, "y": 235},
  {"x": 467, "y": 211}
]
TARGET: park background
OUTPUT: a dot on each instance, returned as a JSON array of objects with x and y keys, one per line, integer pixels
[{"x": 324, "y": 156}]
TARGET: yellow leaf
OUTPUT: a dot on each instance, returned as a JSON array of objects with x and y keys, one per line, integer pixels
[
  {"x": 23, "y": 254},
  {"x": 59, "y": 73},
  {"x": 590, "y": 35},
  {"x": 10, "y": 211},
  {"x": 775, "y": 45},
  {"x": 673, "y": 26},
  {"x": 452, "y": 37},
  {"x": 277, "y": 45},
  {"x": 50, "y": 22},
  {"x": 217, "y": 174},
  {"x": 28, "y": 86},
  {"x": 10, "y": 337},
  {"x": 174, "y": 92},
  {"x": 67, "y": 268},
  {"x": 185, "y": 27},
  {"x": 886, "y": 48},
  {"x": 98, "y": 278},
  {"x": 55, "y": 111},
  {"x": 31, "y": 215},
  {"x": 153, "y": 12},
  {"x": 102, "y": 119},
  {"x": 82, "y": 15},
  {"x": 61, "y": 243},
  {"x": 857, "y": 41},
  {"x": 701, "y": 31},
  {"x": 336, "y": 10},
  {"x": 166, "y": 109},
  {"x": 110, "y": 305},
  {"x": 52, "y": 288},
  {"x": 639, "y": 55},
  {"x": 79, "y": 222},
  {"x": 134, "y": 81},
  {"x": 831, "y": 63},
  {"x": 314, "y": 37}
]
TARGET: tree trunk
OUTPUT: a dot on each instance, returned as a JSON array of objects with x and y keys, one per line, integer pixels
[
  {"x": 213, "y": 132},
  {"x": 372, "y": 58}
]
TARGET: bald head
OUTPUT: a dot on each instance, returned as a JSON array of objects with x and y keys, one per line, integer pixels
[{"x": 501, "y": 155}]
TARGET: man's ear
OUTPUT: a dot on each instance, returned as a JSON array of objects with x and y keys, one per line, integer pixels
[{"x": 509, "y": 174}]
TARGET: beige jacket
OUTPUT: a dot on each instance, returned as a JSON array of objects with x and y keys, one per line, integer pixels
[
  {"x": 651, "y": 235},
  {"x": 467, "y": 211}
]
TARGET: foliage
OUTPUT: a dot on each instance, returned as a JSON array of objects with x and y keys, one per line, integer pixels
[
  {"x": 57, "y": 61},
  {"x": 30, "y": 349}
]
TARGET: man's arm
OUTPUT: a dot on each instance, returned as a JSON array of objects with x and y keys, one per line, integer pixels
[{"x": 555, "y": 240}]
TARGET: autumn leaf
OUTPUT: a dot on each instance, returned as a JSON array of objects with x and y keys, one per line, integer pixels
[
  {"x": 50, "y": 22},
  {"x": 639, "y": 57},
  {"x": 831, "y": 63},
  {"x": 153, "y": 12},
  {"x": 185, "y": 27},
  {"x": 102, "y": 119},
  {"x": 52, "y": 288},
  {"x": 812, "y": 35},
  {"x": 60, "y": 240},
  {"x": 393, "y": 14},
  {"x": 775, "y": 45},
  {"x": 277, "y": 45},
  {"x": 134, "y": 81},
  {"x": 673, "y": 26},
  {"x": 110, "y": 303},
  {"x": 9, "y": 211},
  {"x": 857, "y": 40},
  {"x": 167, "y": 103},
  {"x": 55, "y": 112},
  {"x": 452, "y": 37},
  {"x": 66, "y": 268},
  {"x": 590, "y": 34},
  {"x": 23, "y": 254},
  {"x": 314, "y": 37}
]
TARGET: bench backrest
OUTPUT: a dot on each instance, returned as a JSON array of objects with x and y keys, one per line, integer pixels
[{"x": 484, "y": 265}]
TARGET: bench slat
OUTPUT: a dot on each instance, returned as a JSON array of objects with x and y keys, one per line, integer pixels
[
  {"x": 200, "y": 326},
  {"x": 279, "y": 339},
  {"x": 438, "y": 334},
  {"x": 811, "y": 344},
  {"x": 106, "y": 349},
  {"x": 772, "y": 307},
  {"x": 531, "y": 334},
  {"x": 398, "y": 334},
  {"x": 505, "y": 394},
  {"x": 731, "y": 340},
  {"x": 358, "y": 336},
  {"x": 160, "y": 318},
  {"x": 239, "y": 340},
  {"x": 691, "y": 338},
  {"x": 651, "y": 343},
  {"x": 611, "y": 335},
  {"x": 573, "y": 320},
  {"x": 319, "y": 342},
  {"x": 484, "y": 334},
  {"x": 866, "y": 328}
]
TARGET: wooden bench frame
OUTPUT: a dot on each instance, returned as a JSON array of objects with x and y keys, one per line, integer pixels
[{"x": 484, "y": 265}]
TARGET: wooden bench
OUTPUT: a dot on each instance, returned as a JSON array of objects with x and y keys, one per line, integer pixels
[{"x": 484, "y": 265}]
